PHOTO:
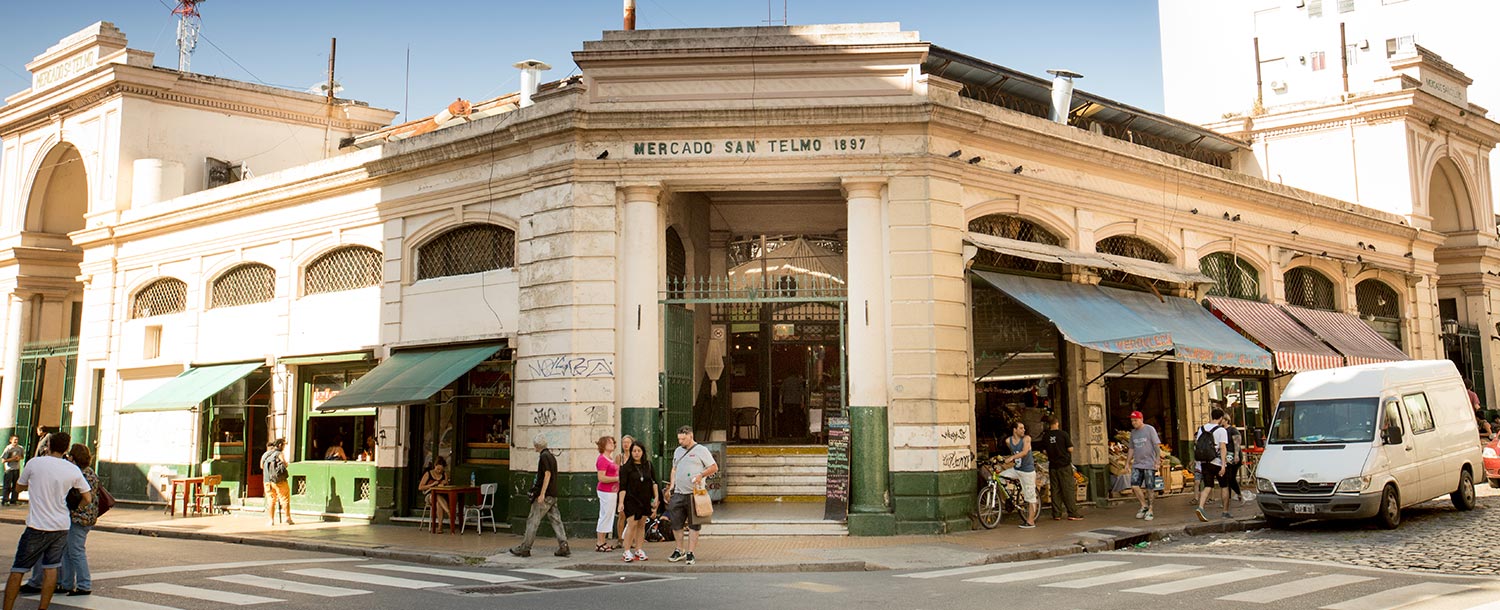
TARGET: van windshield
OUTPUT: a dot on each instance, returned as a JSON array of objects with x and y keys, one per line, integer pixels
[{"x": 1310, "y": 422}]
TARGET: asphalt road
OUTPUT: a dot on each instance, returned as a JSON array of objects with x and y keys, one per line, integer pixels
[{"x": 140, "y": 573}]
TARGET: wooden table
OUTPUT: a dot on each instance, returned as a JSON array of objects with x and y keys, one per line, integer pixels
[
  {"x": 455, "y": 495},
  {"x": 190, "y": 488}
]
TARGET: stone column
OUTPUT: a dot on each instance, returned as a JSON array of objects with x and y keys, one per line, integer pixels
[
  {"x": 868, "y": 398},
  {"x": 17, "y": 319},
  {"x": 640, "y": 326}
]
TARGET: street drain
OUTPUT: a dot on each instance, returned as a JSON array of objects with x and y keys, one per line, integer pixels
[
  {"x": 496, "y": 590},
  {"x": 561, "y": 585},
  {"x": 626, "y": 578}
]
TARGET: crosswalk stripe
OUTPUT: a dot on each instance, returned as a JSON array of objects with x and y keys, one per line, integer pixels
[
  {"x": 95, "y": 602},
  {"x": 552, "y": 573},
  {"x": 1202, "y": 582},
  {"x": 1306, "y": 586},
  {"x": 368, "y": 579},
  {"x": 1126, "y": 576},
  {"x": 989, "y": 567},
  {"x": 1045, "y": 572},
  {"x": 479, "y": 576},
  {"x": 236, "y": 565},
  {"x": 289, "y": 586},
  {"x": 1396, "y": 598},
  {"x": 202, "y": 594}
]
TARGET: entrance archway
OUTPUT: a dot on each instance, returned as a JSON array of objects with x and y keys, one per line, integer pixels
[
  {"x": 1462, "y": 298},
  {"x": 1448, "y": 199}
]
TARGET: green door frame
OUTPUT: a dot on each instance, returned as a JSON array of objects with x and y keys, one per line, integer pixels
[{"x": 32, "y": 377}]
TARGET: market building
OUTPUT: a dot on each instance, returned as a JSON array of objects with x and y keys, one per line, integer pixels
[{"x": 846, "y": 256}]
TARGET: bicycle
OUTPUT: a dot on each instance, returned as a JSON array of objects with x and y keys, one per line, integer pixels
[{"x": 998, "y": 494}]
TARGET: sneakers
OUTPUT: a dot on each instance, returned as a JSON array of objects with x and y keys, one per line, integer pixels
[
  {"x": 77, "y": 592},
  {"x": 562, "y": 551},
  {"x": 27, "y": 589},
  {"x": 1199, "y": 511},
  {"x": 1141, "y": 514},
  {"x": 629, "y": 556},
  {"x": 1150, "y": 515},
  {"x": 676, "y": 556},
  {"x": 1027, "y": 526},
  {"x": 640, "y": 555},
  {"x": 520, "y": 552},
  {"x": 690, "y": 559},
  {"x": 1226, "y": 515}
]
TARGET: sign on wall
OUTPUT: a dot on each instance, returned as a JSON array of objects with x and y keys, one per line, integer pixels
[{"x": 751, "y": 147}]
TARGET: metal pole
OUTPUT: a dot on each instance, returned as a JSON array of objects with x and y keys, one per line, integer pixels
[
  {"x": 1260, "y": 98},
  {"x": 333, "y": 48},
  {"x": 629, "y": 14},
  {"x": 1344, "y": 56}
]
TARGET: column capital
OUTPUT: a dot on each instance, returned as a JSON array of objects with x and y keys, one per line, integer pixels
[
  {"x": 641, "y": 191},
  {"x": 863, "y": 187}
]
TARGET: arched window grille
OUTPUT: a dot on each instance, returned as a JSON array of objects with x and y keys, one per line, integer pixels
[
  {"x": 472, "y": 248},
  {"x": 1012, "y": 227},
  {"x": 1306, "y": 287},
  {"x": 1380, "y": 307},
  {"x": 1233, "y": 276},
  {"x": 1130, "y": 246},
  {"x": 346, "y": 268},
  {"x": 164, "y": 296},
  {"x": 243, "y": 285}
]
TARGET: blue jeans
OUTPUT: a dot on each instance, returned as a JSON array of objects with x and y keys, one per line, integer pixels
[{"x": 74, "y": 573}]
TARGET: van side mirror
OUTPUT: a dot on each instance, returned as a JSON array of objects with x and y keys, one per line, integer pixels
[{"x": 1393, "y": 436}]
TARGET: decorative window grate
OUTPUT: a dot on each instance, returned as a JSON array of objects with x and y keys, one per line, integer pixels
[
  {"x": 473, "y": 248},
  {"x": 361, "y": 489},
  {"x": 1233, "y": 276},
  {"x": 163, "y": 296},
  {"x": 1011, "y": 227},
  {"x": 1380, "y": 307},
  {"x": 243, "y": 285},
  {"x": 346, "y": 268},
  {"x": 299, "y": 485},
  {"x": 1129, "y": 246},
  {"x": 1306, "y": 287}
]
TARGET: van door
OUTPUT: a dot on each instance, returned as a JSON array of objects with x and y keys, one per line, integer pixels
[
  {"x": 1398, "y": 457},
  {"x": 1428, "y": 448}
]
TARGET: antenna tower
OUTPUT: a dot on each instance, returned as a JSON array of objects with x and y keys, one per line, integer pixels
[{"x": 188, "y": 24}]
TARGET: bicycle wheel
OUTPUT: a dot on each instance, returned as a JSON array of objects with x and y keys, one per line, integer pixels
[{"x": 989, "y": 508}]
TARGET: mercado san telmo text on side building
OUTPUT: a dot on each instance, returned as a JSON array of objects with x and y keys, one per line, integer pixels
[{"x": 847, "y": 257}]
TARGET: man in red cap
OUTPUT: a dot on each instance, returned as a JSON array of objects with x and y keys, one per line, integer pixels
[{"x": 1145, "y": 462}]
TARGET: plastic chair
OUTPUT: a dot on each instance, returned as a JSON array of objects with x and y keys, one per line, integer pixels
[
  {"x": 207, "y": 494},
  {"x": 485, "y": 509},
  {"x": 426, "y": 512}
]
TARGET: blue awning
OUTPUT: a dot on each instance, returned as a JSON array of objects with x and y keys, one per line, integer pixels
[
  {"x": 1084, "y": 314},
  {"x": 1197, "y": 336}
]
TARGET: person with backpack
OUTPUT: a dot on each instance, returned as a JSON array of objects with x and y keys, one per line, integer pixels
[
  {"x": 1210, "y": 451},
  {"x": 1233, "y": 459},
  {"x": 273, "y": 470}
]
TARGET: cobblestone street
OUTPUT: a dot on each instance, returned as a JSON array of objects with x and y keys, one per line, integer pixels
[{"x": 1433, "y": 537}]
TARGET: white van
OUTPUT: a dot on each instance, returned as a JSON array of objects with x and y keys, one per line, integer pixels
[{"x": 1366, "y": 441}]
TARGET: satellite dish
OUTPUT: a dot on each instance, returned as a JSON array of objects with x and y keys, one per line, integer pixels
[{"x": 322, "y": 88}]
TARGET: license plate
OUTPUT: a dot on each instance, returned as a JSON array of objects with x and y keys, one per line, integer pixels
[{"x": 1303, "y": 509}]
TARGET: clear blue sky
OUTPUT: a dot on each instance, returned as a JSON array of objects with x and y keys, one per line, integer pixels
[{"x": 465, "y": 49}]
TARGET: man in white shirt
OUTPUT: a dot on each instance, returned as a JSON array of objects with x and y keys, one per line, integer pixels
[{"x": 48, "y": 479}]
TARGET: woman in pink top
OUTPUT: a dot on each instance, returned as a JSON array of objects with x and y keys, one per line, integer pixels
[{"x": 609, "y": 486}]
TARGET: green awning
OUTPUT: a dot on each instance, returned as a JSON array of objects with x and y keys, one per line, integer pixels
[
  {"x": 410, "y": 377},
  {"x": 327, "y": 358},
  {"x": 192, "y": 387},
  {"x": 359, "y": 412}
]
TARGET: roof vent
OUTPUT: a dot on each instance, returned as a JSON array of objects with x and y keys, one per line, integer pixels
[
  {"x": 530, "y": 69},
  {"x": 1062, "y": 94}
]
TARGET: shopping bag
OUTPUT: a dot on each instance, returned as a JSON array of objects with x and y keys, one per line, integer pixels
[{"x": 703, "y": 507}]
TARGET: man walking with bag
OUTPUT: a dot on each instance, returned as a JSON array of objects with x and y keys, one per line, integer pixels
[
  {"x": 1209, "y": 450},
  {"x": 543, "y": 502},
  {"x": 691, "y": 465},
  {"x": 48, "y": 478},
  {"x": 1060, "y": 471},
  {"x": 273, "y": 469}
]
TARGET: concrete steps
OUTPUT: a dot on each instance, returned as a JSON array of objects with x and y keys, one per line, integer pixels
[{"x": 776, "y": 473}]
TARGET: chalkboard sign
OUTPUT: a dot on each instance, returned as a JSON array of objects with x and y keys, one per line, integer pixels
[{"x": 836, "y": 507}]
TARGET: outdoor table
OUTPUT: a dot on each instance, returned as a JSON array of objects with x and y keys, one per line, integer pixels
[
  {"x": 189, "y": 486},
  {"x": 455, "y": 495}
]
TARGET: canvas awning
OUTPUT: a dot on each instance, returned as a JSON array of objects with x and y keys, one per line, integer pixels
[
  {"x": 1197, "y": 336},
  {"x": 1112, "y": 262},
  {"x": 1084, "y": 314},
  {"x": 1292, "y": 348},
  {"x": 1359, "y": 343},
  {"x": 410, "y": 377},
  {"x": 191, "y": 388}
]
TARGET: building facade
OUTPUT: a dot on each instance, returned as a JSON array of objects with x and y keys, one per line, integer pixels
[{"x": 849, "y": 255}]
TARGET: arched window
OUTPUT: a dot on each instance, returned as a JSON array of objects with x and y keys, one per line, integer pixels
[
  {"x": 1233, "y": 276},
  {"x": 1306, "y": 287},
  {"x": 161, "y": 297},
  {"x": 346, "y": 268},
  {"x": 1380, "y": 307},
  {"x": 243, "y": 285},
  {"x": 1133, "y": 247},
  {"x": 1012, "y": 227},
  {"x": 472, "y": 248}
]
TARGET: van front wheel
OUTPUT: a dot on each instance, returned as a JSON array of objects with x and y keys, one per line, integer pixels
[
  {"x": 1390, "y": 509},
  {"x": 1463, "y": 497}
]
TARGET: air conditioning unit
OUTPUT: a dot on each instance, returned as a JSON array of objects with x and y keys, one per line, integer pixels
[{"x": 1278, "y": 86}]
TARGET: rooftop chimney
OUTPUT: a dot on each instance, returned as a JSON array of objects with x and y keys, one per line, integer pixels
[
  {"x": 530, "y": 70},
  {"x": 629, "y": 14},
  {"x": 1062, "y": 94}
]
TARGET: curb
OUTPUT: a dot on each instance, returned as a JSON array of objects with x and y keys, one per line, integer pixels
[{"x": 767, "y": 568}]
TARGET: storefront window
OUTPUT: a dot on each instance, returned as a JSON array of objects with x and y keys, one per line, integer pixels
[
  {"x": 1243, "y": 399},
  {"x": 340, "y": 435},
  {"x": 486, "y": 408},
  {"x": 1016, "y": 368}
]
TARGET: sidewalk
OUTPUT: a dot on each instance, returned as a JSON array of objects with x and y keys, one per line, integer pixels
[{"x": 1102, "y": 529}]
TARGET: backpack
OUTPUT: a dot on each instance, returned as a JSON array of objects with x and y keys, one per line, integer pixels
[
  {"x": 659, "y": 529},
  {"x": 273, "y": 467},
  {"x": 1204, "y": 447}
]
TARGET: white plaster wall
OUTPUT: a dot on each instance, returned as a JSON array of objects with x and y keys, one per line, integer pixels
[
  {"x": 334, "y": 322},
  {"x": 460, "y": 306},
  {"x": 1318, "y": 161}
]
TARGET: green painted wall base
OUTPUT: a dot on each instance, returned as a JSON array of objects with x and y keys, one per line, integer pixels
[
  {"x": 1098, "y": 477},
  {"x": 334, "y": 488},
  {"x": 932, "y": 502},
  {"x": 869, "y": 461},
  {"x": 576, "y": 498},
  {"x": 126, "y": 481},
  {"x": 872, "y": 524},
  {"x": 644, "y": 425}
]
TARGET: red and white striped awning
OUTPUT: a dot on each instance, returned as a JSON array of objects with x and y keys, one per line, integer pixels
[
  {"x": 1292, "y": 347},
  {"x": 1359, "y": 343}
]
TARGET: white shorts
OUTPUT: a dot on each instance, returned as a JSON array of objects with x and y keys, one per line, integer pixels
[
  {"x": 607, "y": 506},
  {"x": 1028, "y": 483}
]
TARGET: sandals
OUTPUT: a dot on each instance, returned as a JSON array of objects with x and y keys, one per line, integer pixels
[{"x": 603, "y": 548}]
